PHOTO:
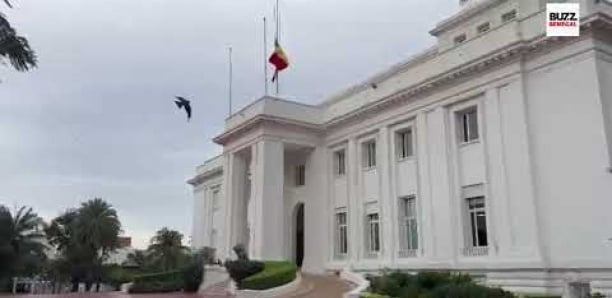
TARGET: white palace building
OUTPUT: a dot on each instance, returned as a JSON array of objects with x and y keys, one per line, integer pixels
[{"x": 489, "y": 153}]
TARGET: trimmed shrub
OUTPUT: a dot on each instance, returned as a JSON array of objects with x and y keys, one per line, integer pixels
[
  {"x": 431, "y": 285},
  {"x": 162, "y": 282},
  {"x": 240, "y": 269},
  {"x": 274, "y": 274},
  {"x": 193, "y": 274}
]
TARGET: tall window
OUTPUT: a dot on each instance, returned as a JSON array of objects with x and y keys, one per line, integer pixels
[
  {"x": 300, "y": 175},
  {"x": 477, "y": 218},
  {"x": 373, "y": 233},
  {"x": 341, "y": 235},
  {"x": 404, "y": 143},
  {"x": 467, "y": 125},
  {"x": 340, "y": 162},
  {"x": 369, "y": 154},
  {"x": 409, "y": 238},
  {"x": 215, "y": 199}
]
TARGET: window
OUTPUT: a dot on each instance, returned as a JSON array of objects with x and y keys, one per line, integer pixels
[
  {"x": 369, "y": 154},
  {"x": 477, "y": 221},
  {"x": 482, "y": 28},
  {"x": 509, "y": 16},
  {"x": 460, "y": 39},
  {"x": 215, "y": 199},
  {"x": 340, "y": 163},
  {"x": 341, "y": 234},
  {"x": 373, "y": 233},
  {"x": 300, "y": 175},
  {"x": 409, "y": 238},
  {"x": 467, "y": 125},
  {"x": 404, "y": 143}
]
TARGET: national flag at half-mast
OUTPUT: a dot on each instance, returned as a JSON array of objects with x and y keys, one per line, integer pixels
[{"x": 278, "y": 59}]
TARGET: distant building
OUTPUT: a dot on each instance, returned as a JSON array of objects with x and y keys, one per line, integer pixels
[
  {"x": 120, "y": 255},
  {"x": 489, "y": 153}
]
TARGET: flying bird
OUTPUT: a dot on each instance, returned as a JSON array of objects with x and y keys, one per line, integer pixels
[{"x": 182, "y": 103}]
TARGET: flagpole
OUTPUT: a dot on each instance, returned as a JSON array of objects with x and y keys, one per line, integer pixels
[
  {"x": 265, "y": 56},
  {"x": 230, "y": 80},
  {"x": 277, "y": 40}
]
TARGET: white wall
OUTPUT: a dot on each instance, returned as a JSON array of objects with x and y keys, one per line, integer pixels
[{"x": 570, "y": 157}]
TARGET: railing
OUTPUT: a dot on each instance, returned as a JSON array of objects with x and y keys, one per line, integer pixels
[
  {"x": 407, "y": 253},
  {"x": 480, "y": 251}
]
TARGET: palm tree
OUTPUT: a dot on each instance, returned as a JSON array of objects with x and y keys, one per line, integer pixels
[
  {"x": 166, "y": 248},
  {"x": 98, "y": 226},
  {"x": 13, "y": 47},
  {"x": 85, "y": 237},
  {"x": 21, "y": 242}
]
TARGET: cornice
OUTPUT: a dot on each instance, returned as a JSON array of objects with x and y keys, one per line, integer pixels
[
  {"x": 463, "y": 15},
  {"x": 500, "y": 57},
  {"x": 200, "y": 178},
  {"x": 260, "y": 120}
]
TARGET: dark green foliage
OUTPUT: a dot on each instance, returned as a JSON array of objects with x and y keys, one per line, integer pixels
[
  {"x": 162, "y": 282},
  {"x": 166, "y": 251},
  {"x": 84, "y": 237},
  {"x": 241, "y": 269},
  {"x": 193, "y": 273},
  {"x": 21, "y": 250},
  {"x": 274, "y": 274},
  {"x": 209, "y": 255},
  {"x": 116, "y": 275},
  {"x": 431, "y": 285},
  {"x": 13, "y": 47}
]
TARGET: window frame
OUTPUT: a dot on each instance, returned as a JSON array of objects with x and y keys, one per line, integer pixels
[
  {"x": 400, "y": 141},
  {"x": 340, "y": 234},
  {"x": 373, "y": 241},
  {"x": 339, "y": 163},
  {"x": 466, "y": 131},
  {"x": 214, "y": 194},
  {"x": 406, "y": 221},
  {"x": 300, "y": 175},
  {"x": 369, "y": 159},
  {"x": 509, "y": 16},
  {"x": 483, "y": 28},
  {"x": 473, "y": 225}
]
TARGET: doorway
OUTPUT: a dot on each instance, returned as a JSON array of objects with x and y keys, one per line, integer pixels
[{"x": 299, "y": 234}]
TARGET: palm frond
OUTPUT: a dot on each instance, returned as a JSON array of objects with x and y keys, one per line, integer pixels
[{"x": 14, "y": 48}]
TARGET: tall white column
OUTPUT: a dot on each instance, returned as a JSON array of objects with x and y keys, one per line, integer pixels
[
  {"x": 385, "y": 156},
  {"x": 268, "y": 200},
  {"x": 354, "y": 210},
  {"x": 226, "y": 248}
]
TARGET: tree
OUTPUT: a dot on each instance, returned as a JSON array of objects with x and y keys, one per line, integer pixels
[
  {"x": 85, "y": 237},
  {"x": 22, "y": 251},
  {"x": 137, "y": 259},
  {"x": 15, "y": 48},
  {"x": 166, "y": 249}
]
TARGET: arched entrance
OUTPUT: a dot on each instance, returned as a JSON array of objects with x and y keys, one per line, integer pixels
[{"x": 299, "y": 234}]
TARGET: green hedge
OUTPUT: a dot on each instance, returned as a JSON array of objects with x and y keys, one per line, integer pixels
[
  {"x": 162, "y": 282},
  {"x": 274, "y": 274},
  {"x": 431, "y": 285}
]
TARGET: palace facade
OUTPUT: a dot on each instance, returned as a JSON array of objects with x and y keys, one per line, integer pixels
[{"x": 489, "y": 153}]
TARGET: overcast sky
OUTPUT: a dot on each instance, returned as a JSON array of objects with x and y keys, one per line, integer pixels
[{"x": 96, "y": 119}]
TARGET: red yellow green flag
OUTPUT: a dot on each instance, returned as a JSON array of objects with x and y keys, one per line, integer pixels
[{"x": 278, "y": 59}]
